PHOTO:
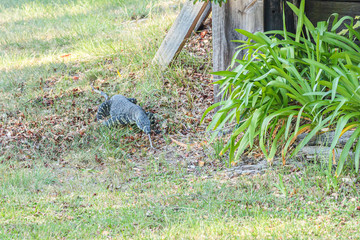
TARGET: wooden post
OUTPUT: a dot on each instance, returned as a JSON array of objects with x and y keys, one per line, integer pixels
[
  {"x": 204, "y": 16},
  {"x": 273, "y": 15},
  {"x": 321, "y": 10},
  {"x": 235, "y": 14},
  {"x": 182, "y": 28}
]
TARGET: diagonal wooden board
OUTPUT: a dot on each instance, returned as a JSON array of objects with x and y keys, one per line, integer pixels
[{"x": 181, "y": 29}]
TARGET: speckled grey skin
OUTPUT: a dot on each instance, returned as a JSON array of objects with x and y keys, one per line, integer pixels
[{"x": 123, "y": 111}]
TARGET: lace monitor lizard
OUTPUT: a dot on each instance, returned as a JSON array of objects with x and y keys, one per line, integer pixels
[{"x": 123, "y": 111}]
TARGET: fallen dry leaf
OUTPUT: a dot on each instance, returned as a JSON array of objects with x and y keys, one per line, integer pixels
[
  {"x": 203, "y": 33},
  {"x": 179, "y": 143},
  {"x": 66, "y": 55}
]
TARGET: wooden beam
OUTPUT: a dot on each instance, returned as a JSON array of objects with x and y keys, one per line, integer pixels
[
  {"x": 273, "y": 15},
  {"x": 235, "y": 14},
  {"x": 321, "y": 10},
  {"x": 179, "y": 32},
  {"x": 204, "y": 16}
]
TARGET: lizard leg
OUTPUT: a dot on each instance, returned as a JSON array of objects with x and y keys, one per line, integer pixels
[
  {"x": 117, "y": 120},
  {"x": 103, "y": 111},
  {"x": 133, "y": 100},
  {"x": 151, "y": 117}
]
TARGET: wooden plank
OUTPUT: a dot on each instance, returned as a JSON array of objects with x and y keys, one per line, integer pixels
[
  {"x": 321, "y": 10},
  {"x": 335, "y": 0},
  {"x": 179, "y": 32},
  {"x": 204, "y": 16},
  {"x": 235, "y": 14},
  {"x": 273, "y": 15}
]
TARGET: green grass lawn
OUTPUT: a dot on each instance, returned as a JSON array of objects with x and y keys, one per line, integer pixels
[{"x": 63, "y": 176}]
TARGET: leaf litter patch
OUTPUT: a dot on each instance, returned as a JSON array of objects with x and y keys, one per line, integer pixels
[
  {"x": 65, "y": 122},
  {"x": 58, "y": 121}
]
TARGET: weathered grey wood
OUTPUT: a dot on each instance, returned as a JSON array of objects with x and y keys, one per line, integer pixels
[
  {"x": 221, "y": 55},
  {"x": 321, "y": 10},
  {"x": 316, "y": 10},
  {"x": 179, "y": 32},
  {"x": 235, "y": 14},
  {"x": 203, "y": 17}
]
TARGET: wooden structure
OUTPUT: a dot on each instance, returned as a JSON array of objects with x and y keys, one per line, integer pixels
[
  {"x": 244, "y": 14},
  {"x": 316, "y": 10},
  {"x": 321, "y": 9},
  {"x": 273, "y": 15},
  {"x": 251, "y": 15},
  {"x": 189, "y": 19}
]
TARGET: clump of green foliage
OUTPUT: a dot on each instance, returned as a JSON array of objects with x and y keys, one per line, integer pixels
[{"x": 287, "y": 84}]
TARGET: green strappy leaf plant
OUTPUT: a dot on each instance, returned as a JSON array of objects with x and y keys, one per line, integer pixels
[{"x": 287, "y": 84}]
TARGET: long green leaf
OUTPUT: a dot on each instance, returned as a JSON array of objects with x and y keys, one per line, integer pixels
[
  {"x": 224, "y": 73},
  {"x": 299, "y": 13},
  {"x": 338, "y": 24},
  {"x": 342, "y": 55},
  {"x": 345, "y": 152},
  {"x": 311, "y": 134},
  {"x": 275, "y": 144},
  {"x": 321, "y": 66},
  {"x": 292, "y": 138},
  {"x": 341, "y": 123},
  {"x": 300, "y": 20},
  {"x": 211, "y": 108},
  {"x": 357, "y": 156},
  {"x": 251, "y": 36},
  {"x": 353, "y": 31},
  {"x": 333, "y": 39},
  {"x": 254, "y": 124}
]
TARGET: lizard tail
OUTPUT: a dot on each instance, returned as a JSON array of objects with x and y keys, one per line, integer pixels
[{"x": 100, "y": 92}]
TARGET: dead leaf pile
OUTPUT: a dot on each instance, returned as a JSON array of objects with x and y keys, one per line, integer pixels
[
  {"x": 62, "y": 121},
  {"x": 41, "y": 133}
]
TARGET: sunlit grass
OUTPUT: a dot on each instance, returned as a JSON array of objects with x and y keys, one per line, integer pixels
[
  {"x": 91, "y": 202},
  {"x": 43, "y": 35},
  {"x": 104, "y": 184},
  {"x": 97, "y": 30}
]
